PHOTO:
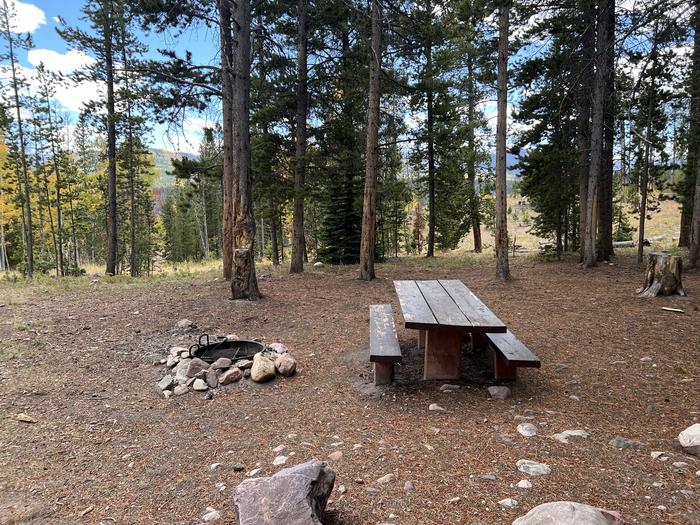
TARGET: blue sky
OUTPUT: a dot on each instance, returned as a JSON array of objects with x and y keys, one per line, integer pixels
[{"x": 40, "y": 18}]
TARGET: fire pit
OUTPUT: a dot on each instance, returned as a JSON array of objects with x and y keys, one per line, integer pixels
[{"x": 234, "y": 350}]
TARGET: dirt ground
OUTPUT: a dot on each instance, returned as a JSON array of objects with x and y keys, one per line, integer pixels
[{"x": 107, "y": 449}]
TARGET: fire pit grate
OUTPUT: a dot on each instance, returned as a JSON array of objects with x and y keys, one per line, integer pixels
[{"x": 235, "y": 350}]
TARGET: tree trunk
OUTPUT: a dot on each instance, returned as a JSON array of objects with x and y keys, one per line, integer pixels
[
  {"x": 605, "y": 194},
  {"x": 431, "y": 145},
  {"x": 694, "y": 244},
  {"x": 471, "y": 145},
  {"x": 226, "y": 44},
  {"x": 597, "y": 113},
  {"x": 644, "y": 184},
  {"x": 4, "y": 263},
  {"x": 244, "y": 283},
  {"x": 274, "y": 250},
  {"x": 370, "y": 203},
  {"x": 297, "y": 258},
  {"x": 502, "y": 267},
  {"x": 663, "y": 275},
  {"x": 27, "y": 211},
  {"x": 52, "y": 227},
  {"x": 56, "y": 167},
  {"x": 689, "y": 213},
  {"x": 111, "y": 268},
  {"x": 583, "y": 103}
]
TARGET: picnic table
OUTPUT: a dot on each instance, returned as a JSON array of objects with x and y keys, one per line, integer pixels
[{"x": 443, "y": 311}]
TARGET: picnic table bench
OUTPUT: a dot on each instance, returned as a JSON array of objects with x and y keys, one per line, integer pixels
[{"x": 443, "y": 311}]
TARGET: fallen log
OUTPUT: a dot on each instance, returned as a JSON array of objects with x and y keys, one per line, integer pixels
[{"x": 663, "y": 275}]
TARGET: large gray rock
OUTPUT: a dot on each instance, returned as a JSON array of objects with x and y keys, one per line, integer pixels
[
  {"x": 568, "y": 513},
  {"x": 181, "y": 371},
  {"x": 533, "y": 468},
  {"x": 621, "y": 442},
  {"x": 690, "y": 439},
  {"x": 221, "y": 364},
  {"x": 195, "y": 366},
  {"x": 499, "y": 392},
  {"x": 293, "y": 496},
  {"x": 286, "y": 365},
  {"x": 263, "y": 369},
  {"x": 230, "y": 376}
]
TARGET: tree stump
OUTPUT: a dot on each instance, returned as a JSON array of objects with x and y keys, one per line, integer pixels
[{"x": 663, "y": 275}]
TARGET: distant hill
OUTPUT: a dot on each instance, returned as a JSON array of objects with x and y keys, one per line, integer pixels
[{"x": 164, "y": 181}]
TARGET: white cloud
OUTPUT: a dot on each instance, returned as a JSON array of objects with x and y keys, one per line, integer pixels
[
  {"x": 59, "y": 62},
  {"x": 25, "y": 17}
]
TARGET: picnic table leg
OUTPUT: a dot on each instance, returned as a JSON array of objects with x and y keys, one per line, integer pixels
[
  {"x": 501, "y": 369},
  {"x": 421, "y": 339},
  {"x": 443, "y": 353},
  {"x": 383, "y": 373},
  {"x": 479, "y": 340}
]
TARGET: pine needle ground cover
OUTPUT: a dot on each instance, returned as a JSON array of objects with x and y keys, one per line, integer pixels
[{"x": 105, "y": 447}]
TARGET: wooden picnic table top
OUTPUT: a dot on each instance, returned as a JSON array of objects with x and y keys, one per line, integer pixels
[{"x": 444, "y": 304}]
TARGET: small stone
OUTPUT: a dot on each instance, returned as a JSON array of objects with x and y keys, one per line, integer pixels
[
  {"x": 523, "y": 484},
  {"x": 564, "y": 437},
  {"x": 484, "y": 477},
  {"x": 167, "y": 394},
  {"x": 209, "y": 395},
  {"x": 620, "y": 442},
  {"x": 656, "y": 454},
  {"x": 454, "y": 500},
  {"x": 172, "y": 361},
  {"x": 186, "y": 324},
  {"x": 661, "y": 507},
  {"x": 221, "y": 364},
  {"x": 508, "y": 503},
  {"x": 318, "y": 264},
  {"x": 243, "y": 364},
  {"x": 238, "y": 467},
  {"x": 279, "y": 449},
  {"x": 645, "y": 359},
  {"x": 175, "y": 351},
  {"x": 527, "y": 429},
  {"x": 533, "y": 468},
  {"x": 387, "y": 478},
  {"x": 499, "y": 392},
  {"x": 263, "y": 368},
  {"x": 359, "y": 481},
  {"x": 166, "y": 383},
  {"x": 230, "y": 376},
  {"x": 434, "y": 407},
  {"x": 574, "y": 398},
  {"x": 409, "y": 486},
  {"x": 195, "y": 366},
  {"x": 246, "y": 373},
  {"x": 342, "y": 489},
  {"x": 690, "y": 439},
  {"x": 335, "y": 456},
  {"x": 199, "y": 385},
  {"x": 212, "y": 378},
  {"x": 680, "y": 464},
  {"x": 279, "y": 348},
  {"x": 697, "y": 473},
  {"x": 254, "y": 472},
  {"x": 211, "y": 515},
  {"x": 280, "y": 460},
  {"x": 286, "y": 365},
  {"x": 214, "y": 466},
  {"x": 180, "y": 389},
  {"x": 356, "y": 446},
  {"x": 449, "y": 388},
  {"x": 372, "y": 490}
]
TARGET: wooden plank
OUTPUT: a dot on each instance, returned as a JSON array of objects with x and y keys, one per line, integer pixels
[
  {"x": 443, "y": 354},
  {"x": 471, "y": 306},
  {"x": 446, "y": 312},
  {"x": 416, "y": 312},
  {"x": 513, "y": 351},
  {"x": 383, "y": 343}
]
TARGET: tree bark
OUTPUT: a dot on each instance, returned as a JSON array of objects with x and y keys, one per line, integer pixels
[
  {"x": 371, "y": 161},
  {"x": 644, "y": 184},
  {"x": 605, "y": 195},
  {"x": 471, "y": 144},
  {"x": 27, "y": 211},
  {"x": 297, "y": 258},
  {"x": 108, "y": 22},
  {"x": 502, "y": 267},
  {"x": 431, "y": 145},
  {"x": 244, "y": 283},
  {"x": 597, "y": 113},
  {"x": 226, "y": 44},
  {"x": 583, "y": 103},
  {"x": 689, "y": 214},
  {"x": 274, "y": 249}
]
